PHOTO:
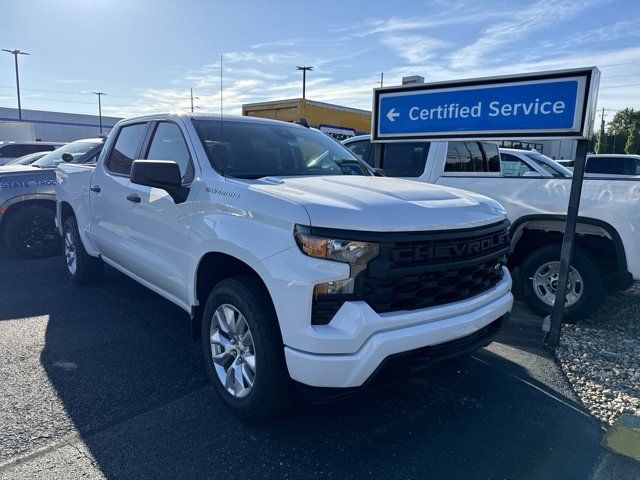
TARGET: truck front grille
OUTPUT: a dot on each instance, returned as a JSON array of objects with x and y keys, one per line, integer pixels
[
  {"x": 430, "y": 289},
  {"x": 436, "y": 268},
  {"x": 425, "y": 269}
]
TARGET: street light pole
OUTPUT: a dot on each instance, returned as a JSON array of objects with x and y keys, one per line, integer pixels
[
  {"x": 15, "y": 54},
  {"x": 304, "y": 80},
  {"x": 99, "y": 94}
]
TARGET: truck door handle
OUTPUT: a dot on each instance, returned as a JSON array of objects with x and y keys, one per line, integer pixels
[
  {"x": 133, "y": 198},
  {"x": 95, "y": 188}
]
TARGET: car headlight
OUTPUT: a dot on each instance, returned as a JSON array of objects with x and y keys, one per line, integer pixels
[
  {"x": 357, "y": 254},
  {"x": 328, "y": 297}
]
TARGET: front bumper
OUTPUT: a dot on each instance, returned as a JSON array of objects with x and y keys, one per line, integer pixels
[{"x": 377, "y": 337}]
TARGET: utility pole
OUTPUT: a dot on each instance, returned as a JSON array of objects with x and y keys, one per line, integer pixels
[
  {"x": 381, "y": 79},
  {"x": 601, "y": 133},
  {"x": 15, "y": 54},
  {"x": 99, "y": 94},
  {"x": 304, "y": 79},
  {"x": 192, "y": 97}
]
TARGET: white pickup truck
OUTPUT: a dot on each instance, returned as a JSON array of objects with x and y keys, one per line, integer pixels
[
  {"x": 294, "y": 261},
  {"x": 607, "y": 254}
]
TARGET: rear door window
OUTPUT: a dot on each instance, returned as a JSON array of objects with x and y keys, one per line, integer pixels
[
  {"x": 472, "y": 157},
  {"x": 513, "y": 166},
  {"x": 611, "y": 165},
  {"x": 404, "y": 159},
  {"x": 126, "y": 148}
]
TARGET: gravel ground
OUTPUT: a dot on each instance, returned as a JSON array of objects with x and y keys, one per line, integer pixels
[{"x": 601, "y": 357}]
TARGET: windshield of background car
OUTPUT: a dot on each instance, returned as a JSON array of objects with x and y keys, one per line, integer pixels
[
  {"x": 254, "y": 150},
  {"x": 75, "y": 149},
  {"x": 548, "y": 165}
]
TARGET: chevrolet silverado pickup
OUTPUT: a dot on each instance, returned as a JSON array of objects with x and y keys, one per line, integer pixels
[
  {"x": 607, "y": 253},
  {"x": 296, "y": 264}
]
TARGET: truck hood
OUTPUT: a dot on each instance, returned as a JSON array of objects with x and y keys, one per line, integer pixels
[
  {"x": 383, "y": 204},
  {"x": 4, "y": 169}
]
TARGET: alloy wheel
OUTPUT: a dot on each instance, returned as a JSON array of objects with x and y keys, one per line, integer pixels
[
  {"x": 70, "y": 251},
  {"x": 232, "y": 350}
]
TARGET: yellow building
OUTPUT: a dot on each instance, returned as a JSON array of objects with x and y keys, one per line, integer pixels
[{"x": 336, "y": 120}]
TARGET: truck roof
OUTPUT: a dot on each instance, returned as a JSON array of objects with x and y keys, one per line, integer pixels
[
  {"x": 212, "y": 116},
  {"x": 616, "y": 155}
]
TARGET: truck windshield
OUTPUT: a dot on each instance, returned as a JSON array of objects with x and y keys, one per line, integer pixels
[
  {"x": 75, "y": 149},
  {"x": 550, "y": 166},
  {"x": 245, "y": 149}
]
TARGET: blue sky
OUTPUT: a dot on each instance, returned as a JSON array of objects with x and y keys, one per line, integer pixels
[{"x": 147, "y": 54}]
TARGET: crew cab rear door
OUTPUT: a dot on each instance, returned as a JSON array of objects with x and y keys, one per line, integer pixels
[{"x": 109, "y": 192}]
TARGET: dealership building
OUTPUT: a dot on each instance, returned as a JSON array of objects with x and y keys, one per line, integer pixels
[{"x": 59, "y": 126}]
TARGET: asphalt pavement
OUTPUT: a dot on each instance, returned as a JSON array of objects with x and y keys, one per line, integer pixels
[{"x": 105, "y": 382}]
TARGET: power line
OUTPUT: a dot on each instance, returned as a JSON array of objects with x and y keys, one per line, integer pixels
[
  {"x": 41, "y": 99},
  {"x": 619, "y": 64},
  {"x": 620, "y": 76},
  {"x": 73, "y": 93},
  {"x": 619, "y": 86}
]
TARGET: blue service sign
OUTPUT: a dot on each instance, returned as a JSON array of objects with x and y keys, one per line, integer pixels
[{"x": 542, "y": 105}]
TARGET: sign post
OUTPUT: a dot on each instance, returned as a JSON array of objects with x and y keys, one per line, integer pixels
[{"x": 541, "y": 106}]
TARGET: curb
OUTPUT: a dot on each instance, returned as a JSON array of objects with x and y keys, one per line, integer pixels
[{"x": 624, "y": 436}]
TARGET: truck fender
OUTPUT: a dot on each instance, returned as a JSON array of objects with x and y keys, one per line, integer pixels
[
  {"x": 608, "y": 230},
  {"x": 4, "y": 208}
]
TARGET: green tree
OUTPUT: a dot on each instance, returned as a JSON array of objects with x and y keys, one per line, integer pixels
[
  {"x": 633, "y": 141},
  {"x": 601, "y": 143},
  {"x": 623, "y": 120}
]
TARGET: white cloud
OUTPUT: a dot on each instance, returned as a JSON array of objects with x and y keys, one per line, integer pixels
[
  {"x": 414, "y": 48},
  {"x": 540, "y": 15}
]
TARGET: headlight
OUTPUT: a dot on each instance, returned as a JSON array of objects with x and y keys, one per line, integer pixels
[
  {"x": 357, "y": 254},
  {"x": 328, "y": 297}
]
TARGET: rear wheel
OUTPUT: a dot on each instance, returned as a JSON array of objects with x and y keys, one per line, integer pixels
[
  {"x": 539, "y": 276},
  {"x": 82, "y": 268},
  {"x": 243, "y": 352},
  {"x": 31, "y": 232}
]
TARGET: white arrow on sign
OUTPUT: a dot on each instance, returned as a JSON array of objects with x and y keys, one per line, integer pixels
[{"x": 392, "y": 114}]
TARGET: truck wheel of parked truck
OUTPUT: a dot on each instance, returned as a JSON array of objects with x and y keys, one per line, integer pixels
[
  {"x": 82, "y": 268},
  {"x": 30, "y": 231},
  {"x": 539, "y": 281},
  {"x": 243, "y": 350}
]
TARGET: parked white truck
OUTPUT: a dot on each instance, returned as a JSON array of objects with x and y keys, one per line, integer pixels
[
  {"x": 607, "y": 253},
  {"x": 294, "y": 261}
]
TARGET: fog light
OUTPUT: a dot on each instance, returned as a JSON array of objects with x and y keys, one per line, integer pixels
[{"x": 338, "y": 287}]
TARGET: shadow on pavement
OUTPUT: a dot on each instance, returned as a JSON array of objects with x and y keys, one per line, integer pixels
[{"x": 122, "y": 362}]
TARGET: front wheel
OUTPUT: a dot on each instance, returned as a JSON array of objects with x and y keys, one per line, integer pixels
[
  {"x": 539, "y": 275},
  {"x": 243, "y": 352}
]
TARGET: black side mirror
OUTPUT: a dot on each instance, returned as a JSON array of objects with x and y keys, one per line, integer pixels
[
  {"x": 162, "y": 174},
  {"x": 67, "y": 157}
]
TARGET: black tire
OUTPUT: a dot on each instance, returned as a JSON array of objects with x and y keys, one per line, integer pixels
[
  {"x": 88, "y": 269},
  {"x": 272, "y": 390},
  {"x": 31, "y": 232},
  {"x": 587, "y": 266}
]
